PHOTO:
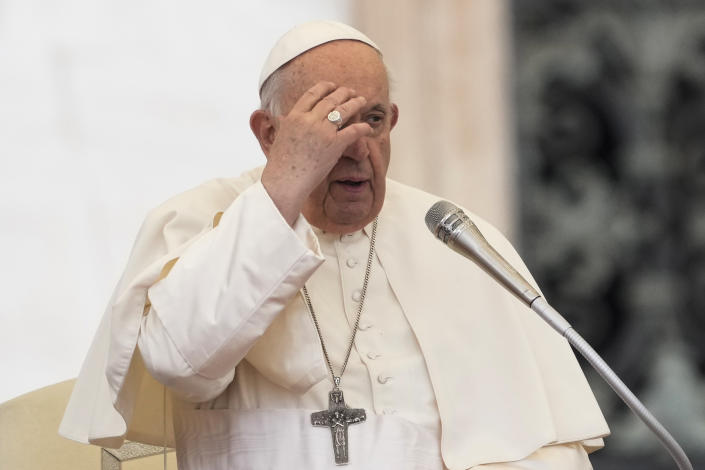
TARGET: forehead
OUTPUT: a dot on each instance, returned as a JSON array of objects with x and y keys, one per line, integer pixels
[{"x": 346, "y": 63}]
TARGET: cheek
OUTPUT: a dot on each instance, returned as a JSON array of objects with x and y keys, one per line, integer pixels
[
  {"x": 380, "y": 157},
  {"x": 319, "y": 192}
]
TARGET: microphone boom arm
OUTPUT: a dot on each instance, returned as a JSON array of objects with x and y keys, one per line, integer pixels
[
  {"x": 454, "y": 228},
  {"x": 548, "y": 313}
]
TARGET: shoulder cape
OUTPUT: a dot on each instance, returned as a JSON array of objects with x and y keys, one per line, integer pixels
[{"x": 505, "y": 382}]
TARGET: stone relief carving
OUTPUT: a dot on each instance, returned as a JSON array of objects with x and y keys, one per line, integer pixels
[{"x": 611, "y": 138}]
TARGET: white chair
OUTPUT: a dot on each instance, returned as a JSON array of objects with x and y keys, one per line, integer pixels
[{"x": 29, "y": 439}]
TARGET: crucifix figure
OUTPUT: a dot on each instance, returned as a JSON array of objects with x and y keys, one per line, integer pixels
[{"x": 337, "y": 417}]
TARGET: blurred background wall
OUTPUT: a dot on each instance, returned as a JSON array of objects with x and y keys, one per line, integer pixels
[
  {"x": 108, "y": 108},
  {"x": 575, "y": 126},
  {"x": 610, "y": 111},
  {"x": 449, "y": 66}
]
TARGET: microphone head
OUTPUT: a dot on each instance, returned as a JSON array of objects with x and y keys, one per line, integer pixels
[
  {"x": 453, "y": 227},
  {"x": 444, "y": 218},
  {"x": 437, "y": 213}
]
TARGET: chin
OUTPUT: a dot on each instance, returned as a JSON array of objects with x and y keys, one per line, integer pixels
[
  {"x": 350, "y": 224},
  {"x": 342, "y": 223},
  {"x": 342, "y": 218}
]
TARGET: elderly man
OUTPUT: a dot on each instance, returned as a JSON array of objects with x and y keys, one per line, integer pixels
[{"x": 301, "y": 316}]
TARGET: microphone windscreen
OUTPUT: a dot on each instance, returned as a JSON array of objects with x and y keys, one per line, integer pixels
[{"x": 438, "y": 212}]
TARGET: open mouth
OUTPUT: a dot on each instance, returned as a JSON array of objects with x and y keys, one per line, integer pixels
[{"x": 352, "y": 183}]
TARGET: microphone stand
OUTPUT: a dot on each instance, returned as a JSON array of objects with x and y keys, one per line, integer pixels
[
  {"x": 454, "y": 228},
  {"x": 552, "y": 317}
]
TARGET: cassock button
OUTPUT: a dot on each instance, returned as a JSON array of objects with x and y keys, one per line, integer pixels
[
  {"x": 365, "y": 326},
  {"x": 373, "y": 355},
  {"x": 351, "y": 262},
  {"x": 357, "y": 295},
  {"x": 383, "y": 379}
]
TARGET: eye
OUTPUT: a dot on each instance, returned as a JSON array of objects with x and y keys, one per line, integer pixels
[{"x": 375, "y": 120}]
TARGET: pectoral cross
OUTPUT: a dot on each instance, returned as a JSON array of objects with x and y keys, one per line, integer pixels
[{"x": 337, "y": 417}]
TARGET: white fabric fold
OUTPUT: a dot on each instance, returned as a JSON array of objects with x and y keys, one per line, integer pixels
[
  {"x": 505, "y": 383},
  {"x": 217, "y": 300},
  {"x": 284, "y": 438}
]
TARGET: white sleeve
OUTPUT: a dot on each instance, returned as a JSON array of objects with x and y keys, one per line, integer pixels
[
  {"x": 571, "y": 456},
  {"x": 222, "y": 294}
]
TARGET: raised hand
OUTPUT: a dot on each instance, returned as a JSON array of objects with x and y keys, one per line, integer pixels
[{"x": 303, "y": 146}]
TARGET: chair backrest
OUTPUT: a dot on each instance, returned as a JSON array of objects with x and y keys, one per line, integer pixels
[{"x": 29, "y": 438}]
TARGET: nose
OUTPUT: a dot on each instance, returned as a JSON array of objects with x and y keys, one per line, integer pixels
[{"x": 358, "y": 150}]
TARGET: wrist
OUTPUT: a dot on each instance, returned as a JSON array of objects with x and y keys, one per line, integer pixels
[{"x": 284, "y": 195}]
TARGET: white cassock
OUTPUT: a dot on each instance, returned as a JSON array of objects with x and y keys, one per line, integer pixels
[{"x": 453, "y": 372}]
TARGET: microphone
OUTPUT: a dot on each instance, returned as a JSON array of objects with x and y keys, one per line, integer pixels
[
  {"x": 450, "y": 225},
  {"x": 453, "y": 227}
]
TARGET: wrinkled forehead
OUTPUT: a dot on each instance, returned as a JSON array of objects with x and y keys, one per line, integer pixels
[{"x": 346, "y": 63}]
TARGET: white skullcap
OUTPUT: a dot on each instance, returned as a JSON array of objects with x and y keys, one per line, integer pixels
[{"x": 306, "y": 36}]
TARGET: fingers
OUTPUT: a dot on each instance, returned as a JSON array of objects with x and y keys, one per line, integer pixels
[
  {"x": 351, "y": 133},
  {"x": 324, "y": 97},
  {"x": 333, "y": 100},
  {"x": 350, "y": 108},
  {"x": 312, "y": 96}
]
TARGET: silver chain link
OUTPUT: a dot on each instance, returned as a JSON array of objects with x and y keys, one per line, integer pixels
[{"x": 307, "y": 298}]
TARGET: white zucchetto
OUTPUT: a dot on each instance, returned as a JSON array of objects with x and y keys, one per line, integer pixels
[{"x": 306, "y": 36}]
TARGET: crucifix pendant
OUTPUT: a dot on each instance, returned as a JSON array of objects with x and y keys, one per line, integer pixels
[{"x": 337, "y": 417}]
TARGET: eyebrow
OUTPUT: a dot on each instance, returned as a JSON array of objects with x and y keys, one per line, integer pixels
[{"x": 379, "y": 107}]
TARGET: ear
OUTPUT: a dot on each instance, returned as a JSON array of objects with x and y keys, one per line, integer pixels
[
  {"x": 263, "y": 127},
  {"x": 395, "y": 116}
]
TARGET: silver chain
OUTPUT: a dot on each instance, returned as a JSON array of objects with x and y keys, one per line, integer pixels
[{"x": 368, "y": 270}]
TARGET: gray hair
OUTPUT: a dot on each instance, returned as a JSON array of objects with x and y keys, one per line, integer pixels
[{"x": 270, "y": 99}]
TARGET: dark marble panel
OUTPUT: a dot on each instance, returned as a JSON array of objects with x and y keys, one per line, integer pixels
[{"x": 610, "y": 100}]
